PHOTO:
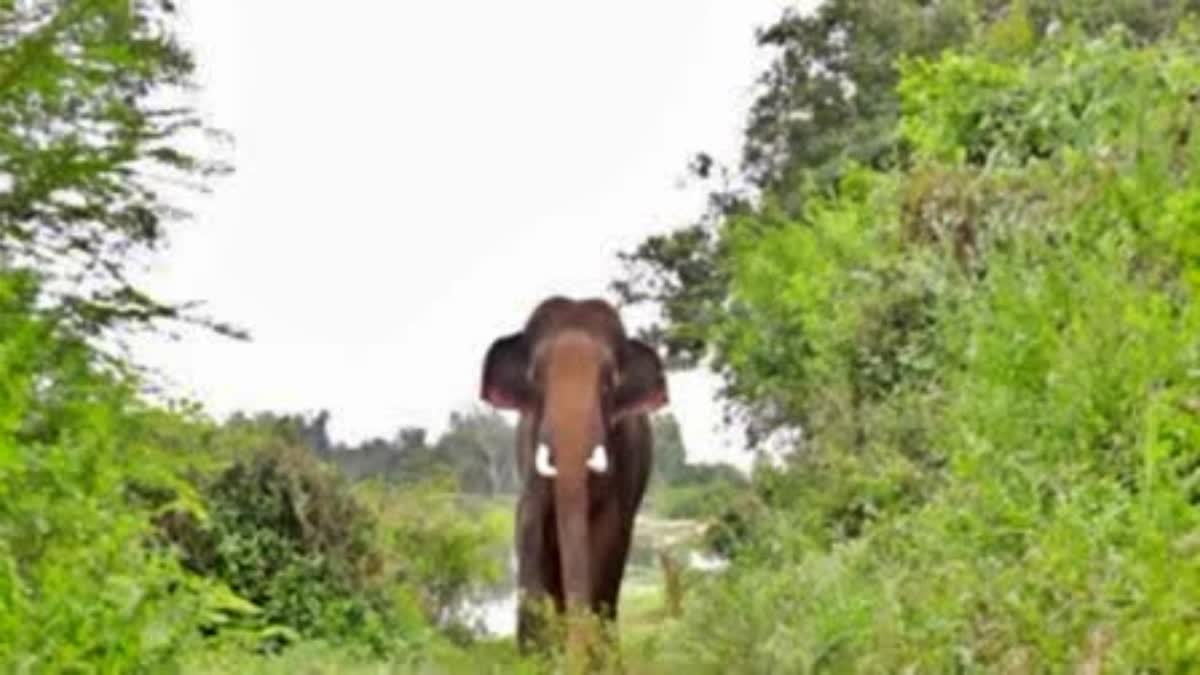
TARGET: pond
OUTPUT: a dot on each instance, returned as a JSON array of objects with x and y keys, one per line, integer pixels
[{"x": 495, "y": 614}]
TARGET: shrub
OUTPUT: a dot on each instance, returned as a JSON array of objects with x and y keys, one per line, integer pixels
[
  {"x": 82, "y": 585},
  {"x": 995, "y": 354},
  {"x": 447, "y": 550},
  {"x": 285, "y": 533}
]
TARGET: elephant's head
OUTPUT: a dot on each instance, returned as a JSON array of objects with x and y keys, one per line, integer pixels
[{"x": 576, "y": 373}]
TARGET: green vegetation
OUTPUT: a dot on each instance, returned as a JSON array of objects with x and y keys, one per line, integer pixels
[
  {"x": 95, "y": 126},
  {"x": 132, "y": 536},
  {"x": 969, "y": 279},
  {"x": 136, "y": 537},
  {"x": 992, "y": 350},
  {"x": 475, "y": 450},
  {"x": 74, "y": 542}
]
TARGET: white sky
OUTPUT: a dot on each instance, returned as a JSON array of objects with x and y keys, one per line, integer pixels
[{"x": 413, "y": 177}]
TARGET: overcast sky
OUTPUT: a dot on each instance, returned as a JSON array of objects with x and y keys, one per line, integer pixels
[{"x": 413, "y": 177}]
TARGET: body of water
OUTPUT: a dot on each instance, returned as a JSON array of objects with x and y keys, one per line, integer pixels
[{"x": 497, "y": 613}]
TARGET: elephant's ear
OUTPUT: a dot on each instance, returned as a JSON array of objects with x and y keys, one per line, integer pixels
[
  {"x": 642, "y": 386},
  {"x": 506, "y": 374}
]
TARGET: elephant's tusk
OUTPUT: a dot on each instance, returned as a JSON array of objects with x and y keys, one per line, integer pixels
[
  {"x": 541, "y": 461},
  {"x": 598, "y": 462}
]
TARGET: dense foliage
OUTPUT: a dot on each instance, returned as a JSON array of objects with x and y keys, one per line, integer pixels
[
  {"x": 966, "y": 276},
  {"x": 132, "y": 535},
  {"x": 994, "y": 352},
  {"x": 827, "y": 102},
  {"x": 97, "y": 138},
  {"x": 76, "y": 558}
]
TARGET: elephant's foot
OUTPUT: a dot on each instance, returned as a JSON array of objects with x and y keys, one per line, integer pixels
[{"x": 535, "y": 619}]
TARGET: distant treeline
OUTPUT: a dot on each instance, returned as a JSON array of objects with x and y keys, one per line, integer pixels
[{"x": 477, "y": 448}]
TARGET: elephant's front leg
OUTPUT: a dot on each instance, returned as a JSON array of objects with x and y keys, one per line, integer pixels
[
  {"x": 536, "y": 565},
  {"x": 609, "y": 551},
  {"x": 611, "y": 538}
]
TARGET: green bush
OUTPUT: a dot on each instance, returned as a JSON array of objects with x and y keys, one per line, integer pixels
[
  {"x": 285, "y": 534},
  {"x": 996, "y": 355},
  {"x": 129, "y": 533},
  {"x": 321, "y": 559},
  {"x": 82, "y": 584},
  {"x": 432, "y": 541},
  {"x": 695, "y": 501}
]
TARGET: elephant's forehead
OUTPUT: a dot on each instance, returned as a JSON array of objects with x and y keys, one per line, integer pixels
[
  {"x": 573, "y": 349},
  {"x": 557, "y": 314}
]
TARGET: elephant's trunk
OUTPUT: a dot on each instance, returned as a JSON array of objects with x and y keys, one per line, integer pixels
[
  {"x": 572, "y": 419},
  {"x": 571, "y": 505},
  {"x": 574, "y": 543}
]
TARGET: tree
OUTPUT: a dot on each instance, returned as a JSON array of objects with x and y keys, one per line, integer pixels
[
  {"x": 315, "y": 434},
  {"x": 481, "y": 443},
  {"x": 827, "y": 101},
  {"x": 669, "y": 454},
  {"x": 411, "y": 439},
  {"x": 827, "y": 96},
  {"x": 93, "y": 129},
  {"x": 477, "y": 448}
]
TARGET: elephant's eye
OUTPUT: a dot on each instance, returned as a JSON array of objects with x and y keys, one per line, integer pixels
[{"x": 608, "y": 384}]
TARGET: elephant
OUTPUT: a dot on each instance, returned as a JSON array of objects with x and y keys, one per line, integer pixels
[{"x": 584, "y": 391}]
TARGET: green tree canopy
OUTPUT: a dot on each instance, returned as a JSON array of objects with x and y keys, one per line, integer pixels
[
  {"x": 94, "y": 135},
  {"x": 827, "y": 101}
]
